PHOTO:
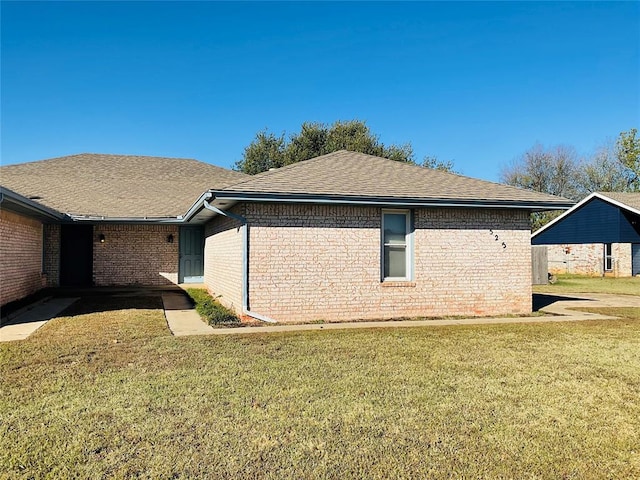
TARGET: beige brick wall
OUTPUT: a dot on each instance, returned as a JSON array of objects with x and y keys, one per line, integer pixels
[
  {"x": 311, "y": 262},
  {"x": 588, "y": 259},
  {"x": 135, "y": 255},
  {"x": 52, "y": 254},
  {"x": 20, "y": 256},
  {"x": 223, "y": 261},
  {"x": 621, "y": 259}
]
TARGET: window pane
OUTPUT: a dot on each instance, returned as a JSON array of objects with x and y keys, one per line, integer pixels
[
  {"x": 395, "y": 263},
  {"x": 395, "y": 228}
]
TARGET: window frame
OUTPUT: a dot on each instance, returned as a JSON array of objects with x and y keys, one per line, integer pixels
[
  {"x": 608, "y": 257},
  {"x": 408, "y": 245}
]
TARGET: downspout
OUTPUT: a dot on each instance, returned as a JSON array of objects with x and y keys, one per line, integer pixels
[{"x": 245, "y": 260}]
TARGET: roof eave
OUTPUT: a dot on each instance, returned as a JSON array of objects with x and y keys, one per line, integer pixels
[
  {"x": 389, "y": 201},
  {"x": 28, "y": 206},
  {"x": 138, "y": 220}
]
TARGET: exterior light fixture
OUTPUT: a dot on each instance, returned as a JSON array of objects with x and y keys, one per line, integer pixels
[
  {"x": 170, "y": 238},
  {"x": 101, "y": 238}
]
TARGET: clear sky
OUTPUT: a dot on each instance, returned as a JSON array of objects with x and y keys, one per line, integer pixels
[{"x": 477, "y": 83}]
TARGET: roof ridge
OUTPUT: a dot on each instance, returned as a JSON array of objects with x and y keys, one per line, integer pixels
[{"x": 396, "y": 163}]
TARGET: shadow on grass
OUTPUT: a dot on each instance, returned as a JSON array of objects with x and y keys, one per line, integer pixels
[
  {"x": 541, "y": 300},
  {"x": 89, "y": 304}
]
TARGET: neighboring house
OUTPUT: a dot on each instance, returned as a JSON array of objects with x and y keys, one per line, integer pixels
[
  {"x": 342, "y": 236},
  {"x": 598, "y": 236}
]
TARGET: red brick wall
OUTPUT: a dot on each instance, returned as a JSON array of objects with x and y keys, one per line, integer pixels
[
  {"x": 20, "y": 256},
  {"x": 135, "y": 255},
  {"x": 52, "y": 254}
]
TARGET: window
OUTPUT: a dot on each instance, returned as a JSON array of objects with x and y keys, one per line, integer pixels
[
  {"x": 396, "y": 245},
  {"x": 608, "y": 258}
]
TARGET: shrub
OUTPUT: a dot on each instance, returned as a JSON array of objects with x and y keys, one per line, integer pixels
[{"x": 210, "y": 309}]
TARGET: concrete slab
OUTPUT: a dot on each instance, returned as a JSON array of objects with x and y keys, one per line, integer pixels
[
  {"x": 181, "y": 317},
  {"x": 30, "y": 320}
]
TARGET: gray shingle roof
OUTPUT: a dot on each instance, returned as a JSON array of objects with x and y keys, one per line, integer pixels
[
  {"x": 116, "y": 185},
  {"x": 349, "y": 174},
  {"x": 630, "y": 199}
]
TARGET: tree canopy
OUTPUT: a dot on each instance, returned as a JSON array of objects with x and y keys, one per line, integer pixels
[
  {"x": 628, "y": 153},
  {"x": 268, "y": 150}
]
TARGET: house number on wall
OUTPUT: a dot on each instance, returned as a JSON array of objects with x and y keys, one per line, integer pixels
[{"x": 497, "y": 238}]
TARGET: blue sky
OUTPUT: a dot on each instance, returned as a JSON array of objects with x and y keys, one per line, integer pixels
[{"x": 477, "y": 83}]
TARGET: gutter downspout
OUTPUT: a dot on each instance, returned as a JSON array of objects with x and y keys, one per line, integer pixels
[{"x": 245, "y": 260}]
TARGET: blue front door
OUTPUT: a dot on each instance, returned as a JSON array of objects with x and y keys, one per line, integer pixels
[{"x": 191, "y": 269}]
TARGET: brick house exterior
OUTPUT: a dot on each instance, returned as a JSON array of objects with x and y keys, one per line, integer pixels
[
  {"x": 318, "y": 262},
  {"x": 22, "y": 225},
  {"x": 338, "y": 237},
  {"x": 130, "y": 206},
  {"x": 310, "y": 242}
]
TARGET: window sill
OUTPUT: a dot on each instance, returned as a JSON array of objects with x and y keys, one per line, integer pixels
[{"x": 397, "y": 283}]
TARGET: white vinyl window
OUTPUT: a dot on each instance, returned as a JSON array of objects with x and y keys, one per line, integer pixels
[
  {"x": 396, "y": 245},
  {"x": 608, "y": 257}
]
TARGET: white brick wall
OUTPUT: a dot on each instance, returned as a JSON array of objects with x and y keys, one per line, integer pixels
[
  {"x": 223, "y": 261},
  {"x": 588, "y": 259},
  {"x": 310, "y": 262}
]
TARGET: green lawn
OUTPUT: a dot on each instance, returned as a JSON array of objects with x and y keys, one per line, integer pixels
[
  {"x": 113, "y": 395},
  {"x": 581, "y": 284}
]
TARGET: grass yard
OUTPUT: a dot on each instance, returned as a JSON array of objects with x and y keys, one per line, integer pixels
[
  {"x": 582, "y": 284},
  {"x": 107, "y": 392}
]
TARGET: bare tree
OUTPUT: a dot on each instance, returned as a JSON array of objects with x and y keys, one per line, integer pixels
[{"x": 553, "y": 170}]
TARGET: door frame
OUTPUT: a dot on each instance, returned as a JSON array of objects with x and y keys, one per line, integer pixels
[{"x": 181, "y": 236}]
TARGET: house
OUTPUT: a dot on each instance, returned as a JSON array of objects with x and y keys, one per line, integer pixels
[
  {"x": 341, "y": 236},
  {"x": 598, "y": 236},
  {"x": 348, "y": 235},
  {"x": 117, "y": 219}
]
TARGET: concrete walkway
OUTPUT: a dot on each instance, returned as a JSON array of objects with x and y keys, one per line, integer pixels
[
  {"x": 26, "y": 321},
  {"x": 183, "y": 320},
  {"x": 181, "y": 316}
]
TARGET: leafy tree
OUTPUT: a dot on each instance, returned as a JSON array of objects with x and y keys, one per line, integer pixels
[
  {"x": 309, "y": 143},
  {"x": 602, "y": 173},
  {"x": 265, "y": 152},
  {"x": 270, "y": 151},
  {"x": 628, "y": 153},
  {"x": 436, "y": 164}
]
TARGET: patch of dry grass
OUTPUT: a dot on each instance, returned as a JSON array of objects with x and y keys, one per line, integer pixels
[
  {"x": 582, "y": 284},
  {"x": 511, "y": 401}
]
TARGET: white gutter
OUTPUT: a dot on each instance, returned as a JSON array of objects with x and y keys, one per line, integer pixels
[{"x": 245, "y": 259}]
